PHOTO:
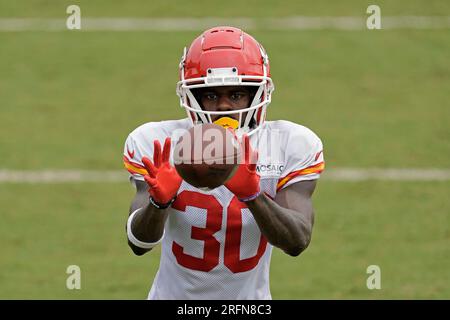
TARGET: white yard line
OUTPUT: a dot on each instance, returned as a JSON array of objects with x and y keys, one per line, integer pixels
[
  {"x": 196, "y": 24},
  {"x": 332, "y": 174},
  {"x": 399, "y": 174},
  {"x": 62, "y": 176}
]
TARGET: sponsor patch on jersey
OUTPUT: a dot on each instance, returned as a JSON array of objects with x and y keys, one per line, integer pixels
[{"x": 269, "y": 170}]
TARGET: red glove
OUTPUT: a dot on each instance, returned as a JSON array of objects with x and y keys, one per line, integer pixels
[
  {"x": 162, "y": 178},
  {"x": 245, "y": 182}
]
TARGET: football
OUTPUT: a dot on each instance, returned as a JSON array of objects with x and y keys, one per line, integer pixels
[{"x": 207, "y": 155}]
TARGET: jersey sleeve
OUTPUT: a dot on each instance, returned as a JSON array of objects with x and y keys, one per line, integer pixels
[
  {"x": 304, "y": 158},
  {"x": 133, "y": 153},
  {"x": 140, "y": 143}
]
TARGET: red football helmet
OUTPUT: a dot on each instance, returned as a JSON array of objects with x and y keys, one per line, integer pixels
[{"x": 226, "y": 56}]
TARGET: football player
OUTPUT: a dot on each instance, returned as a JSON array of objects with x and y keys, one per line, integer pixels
[{"x": 217, "y": 244}]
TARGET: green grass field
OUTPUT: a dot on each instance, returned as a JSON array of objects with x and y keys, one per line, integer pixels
[{"x": 376, "y": 98}]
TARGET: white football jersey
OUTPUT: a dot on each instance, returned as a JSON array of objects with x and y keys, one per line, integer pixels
[{"x": 212, "y": 247}]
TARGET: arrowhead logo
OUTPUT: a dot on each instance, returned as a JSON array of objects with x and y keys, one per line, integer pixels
[{"x": 131, "y": 154}]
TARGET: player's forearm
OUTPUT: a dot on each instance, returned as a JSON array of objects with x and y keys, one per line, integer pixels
[
  {"x": 148, "y": 223},
  {"x": 283, "y": 228}
]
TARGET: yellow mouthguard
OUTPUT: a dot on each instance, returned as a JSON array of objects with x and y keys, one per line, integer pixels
[{"x": 227, "y": 122}]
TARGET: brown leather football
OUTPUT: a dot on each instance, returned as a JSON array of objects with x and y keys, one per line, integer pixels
[{"x": 207, "y": 155}]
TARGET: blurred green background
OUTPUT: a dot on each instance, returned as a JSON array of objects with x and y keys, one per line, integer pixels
[{"x": 376, "y": 98}]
